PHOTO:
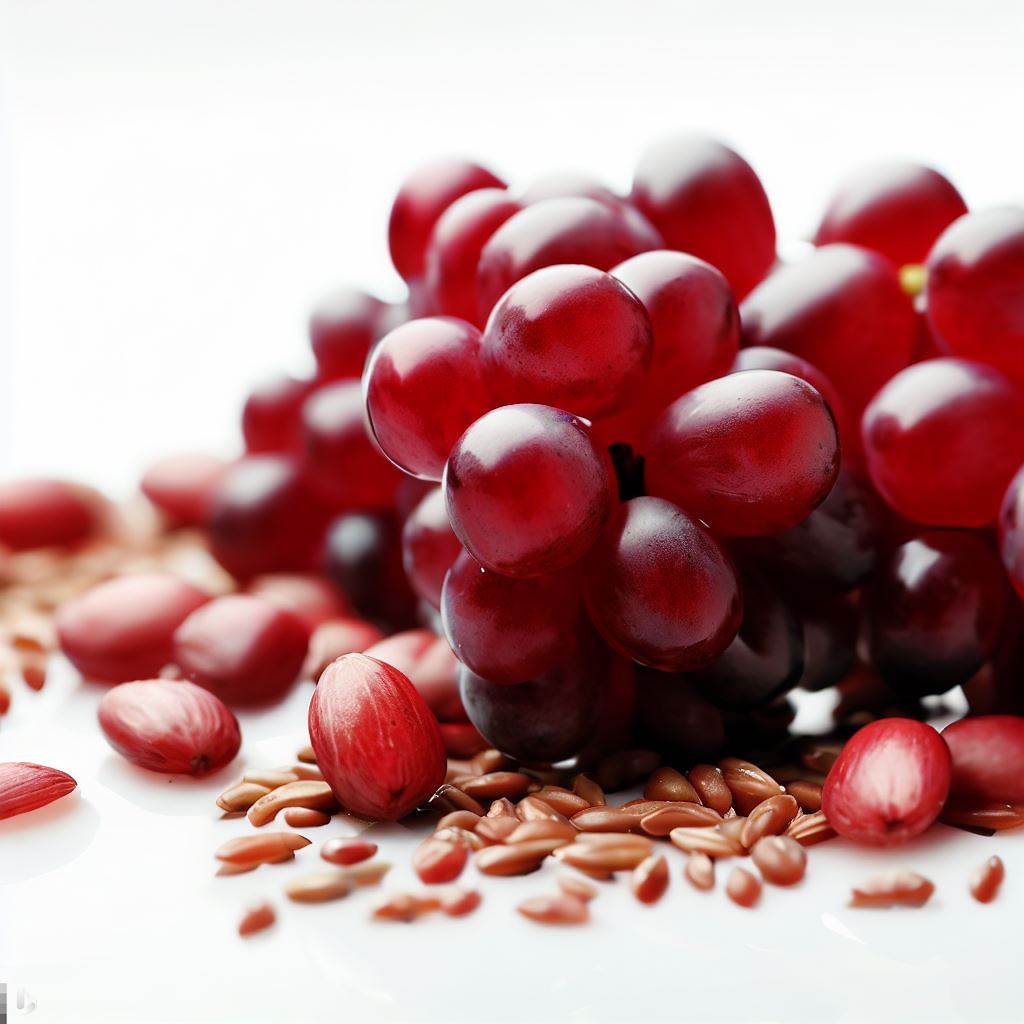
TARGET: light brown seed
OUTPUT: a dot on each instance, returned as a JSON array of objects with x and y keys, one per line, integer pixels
[
  {"x": 367, "y": 872},
  {"x": 709, "y": 841},
  {"x": 437, "y": 861},
  {"x": 33, "y": 672},
  {"x": 497, "y": 830},
  {"x": 565, "y": 801},
  {"x": 307, "y": 771},
  {"x": 271, "y": 778},
  {"x": 573, "y": 886},
  {"x": 316, "y": 796},
  {"x": 642, "y": 807},
  {"x": 624, "y": 767},
  {"x": 240, "y": 798},
  {"x": 996, "y": 817},
  {"x": 347, "y": 851},
  {"x": 733, "y": 828},
  {"x": 606, "y": 819},
  {"x": 305, "y": 817},
  {"x": 748, "y": 784},
  {"x": 542, "y": 829},
  {"x": 266, "y": 848},
  {"x": 532, "y": 808},
  {"x": 811, "y": 829},
  {"x": 780, "y": 859},
  {"x": 501, "y": 809},
  {"x": 458, "y": 772},
  {"x": 602, "y": 859},
  {"x": 771, "y": 817},
  {"x": 559, "y": 910},
  {"x": 319, "y": 887},
  {"x": 452, "y": 834},
  {"x": 587, "y": 788},
  {"x": 451, "y": 798},
  {"x": 256, "y": 919},
  {"x": 650, "y": 879},
  {"x": 661, "y": 822},
  {"x": 238, "y": 869},
  {"x": 700, "y": 871},
  {"x": 459, "y": 819},
  {"x": 459, "y": 902},
  {"x": 520, "y": 859},
  {"x": 987, "y": 879},
  {"x": 406, "y": 907},
  {"x": 494, "y": 785},
  {"x": 807, "y": 794},
  {"x": 668, "y": 784},
  {"x": 489, "y": 761},
  {"x": 902, "y": 888},
  {"x": 743, "y": 888},
  {"x": 306, "y": 754},
  {"x": 709, "y": 785},
  {"x": 634, "y": 839}
]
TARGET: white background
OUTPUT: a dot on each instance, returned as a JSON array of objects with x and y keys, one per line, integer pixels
[{"x": 178, "y": 181}]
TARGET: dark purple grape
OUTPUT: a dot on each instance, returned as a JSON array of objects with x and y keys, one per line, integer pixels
[
  {"x": 675, "y": 717},
  {"x": 830, "y": 626}
]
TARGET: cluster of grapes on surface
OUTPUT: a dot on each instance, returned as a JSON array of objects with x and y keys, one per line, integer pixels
[{"x": 646, "y": 478}]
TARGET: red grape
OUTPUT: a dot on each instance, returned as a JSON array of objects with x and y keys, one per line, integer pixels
[
  {"x": 569, "y": 336},
  {"x": 676, "y": 716},
  {"x": 527, "y": 489},
  {"x": 750, "y": 454},
  {"x": 264, "y": 517},
  {"x": 706, "y": 200},
  {"x": 567, "y": 185},
  {"x": 340, "y": 458},
  {"x": 934, "y": 611},
  {"x": 661, "y": 589},
  {"x": 272, "y": 415},
  {"x": 509, "y": 630},
  {"x": 942, "y": 439},
  {"x": 455, "y": 246},
  {"x": 843, "y": 310},
  {"x": 897, "y": 209},
  {"x": 421, "y": 200},
  {"x": 553, "y": 231},
  {"x": 1011, "y": 531},
  {"x": 429, "y": 546},
  {"x": 830, "y": 626},
  {"x": 423, "y": 387},
  {"x": 342, "y": 329},
  {"x": 975, "y": 289},
  {"x": 182, "y": 486}
]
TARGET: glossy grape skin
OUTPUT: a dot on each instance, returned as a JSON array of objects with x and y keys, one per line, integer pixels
[
  {"x": 750, "y": 454},
  {"x": 527, "y": 490},
  {"x": 555, "y": 231},
  {"x": 569, "y": 336},
  {"x": 339, "y": 457},
  {"x": 676, "y": 717},
  {"x": 342, "y": 329},
  {"x": 429, "y": 546},
  {"x": 1011, "y": 531},
  {"x": 974, "y": 294},
  {"x": 453, "y": 254},
  {"x": 934, "y": 611},
  {"x": 272, "y": 415},
  {"x": 897, "y": 209},
  {"x": 830, "y": 628},
  {"x": 508, "y": 630},
  {"x": 766, "y": 657},
  {"x": 942, "y": 440},
  {"x": 424, "y": 196},
  {"x": 363, "y": 557},
  {"x": 423, "y": 387},
  {"x": 843, "y": 310},
  {"x": 567, "y": 185},
  {"x": 661, "y": 589},
  {"x": 835, "y": 548},
  {"x": 706, "y": 200},
  {"x": 264, "y": 517}
]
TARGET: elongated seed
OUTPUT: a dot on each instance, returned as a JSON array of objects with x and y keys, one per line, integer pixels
[
  {"x": 520, "y": 859},
  {"x": 271, "y": 778},
  {"x": 807, "y": 794},
  {"x": 573, "y": 886},
  {"x": 606, "y": 819},
  {"x": 319, "y": 887},
  {"x": 451, "y": 798},
  {"x": 558, "y": 910},
  {"x": 532, "y": 808},
  {"x": 650, "y": 879},
  {"x": 661, "y": 822},
  {"x": 811, "y": 829},
  {"x": 241, "y": 797},
  {"x": 709, "y": 785},
  {"x": 994, "y": 816},
  {"x": 700, "y": 871},
  {"x": 732, "y": 828},
  {"x": 461, "y": 835},
  {"x": 502, "y": 808},
  {"x": 406, "y": 907},
  {"x": 459, "y": 819},
  {"x": 709, "y": 841},
  {"x": 305, "y": 817},
  {"x": 987, "y": 879},
  {"x": 310, "y": 772},
  {"x": 497, "y": 830},
  {"x": 347, "y": 851},
  {"x": 316, "y": 796},
  {"x": 780, "y": 859},
  {"x": 614, "y": 839},
  {"x": 510, "y": 785},
  {"x": 240, "y": 869},
  {"x": 743, "y": 888},
  {"x": 609, "y": 858},
  {"x": 748, "y": 784},
  {"x": 901, "y": 888},
  {"x": 668, "y": 784},
  {"x": 587, "y": 788},
  {"x": 490, "y": 760},
  {"x": 565, "y": 801},
  {"x": 256, "y": 919},
  {"x": 367, "y": 872},
  {"x": 542, "y": 829},
  {"x": 459, "y": 902},
  {"x": 771, "y": 817},
  {"x": 437, "y": 861},
  {"x": 306, "y": 754},
  {"x": 265, "y": 848}
]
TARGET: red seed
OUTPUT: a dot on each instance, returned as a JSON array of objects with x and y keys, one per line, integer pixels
[
  {"x": 901, "y": 888},
  {"x": 305, "y": 817},
  {"x": 5, "y": 699},
  {"x": 436, "y": 861},
  {"x": 332, "y": 639},
  {"x": 26, "y": 787},
  {"x": 38, "y": 513},
  {"x": 375, "y": 739},
  {"x": 459, "y": 902},
  {"x": 650, "y": 879},
  {"x": 168, "y": 726},
  {"x": 182, "y": 486},
  {"x": 780, "y": 859},
  {"x": 555, "y": 910},
  {"x": 347, "y": 851},
  {"x": 256, "y": 919},
  {"x": 700, "y": 871},
  {"x": 743, "y": 888},
  {"x": 988, "y": 758},
  {"x": 889, "y": 783},
  {"x": 312, "y": 598},
  {"x": 985, "y": 882}
]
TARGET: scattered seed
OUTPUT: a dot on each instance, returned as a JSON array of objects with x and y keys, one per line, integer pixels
[
  {"x": 532, "y": 808},
  {"x": 314, "y": 795},
  {"x": 437, "y": 861},
  {"x": 459, "y": 819},
  {"x": 462, "y": 836},
  {"x": 459, "y": 902},
  {"x": 602, "y": 859},
  {"x": 780, "y": 859},
  {"x": 319, "y": 887},
  {"x": 305, "y": 817},
  {"x": 807, "y": 794},
  {"x": 614, "y": 839},
  {"x": 494, "y": 785},
  {"x": 256, "y": 919},
  {"x": 270, "y": 779},
  {"x": 732, "y": 828},
  {"x": 748, "y": 784},
  {"x": 587, "y": 788},
  {"x": 406, "y": 907},
  {"x": 489, "y": 761},
  {"x": 266, "y": 848},
  {"x": 668, "y": 784},
  {"x": 451, "y": 798},
  {"x": 661, "y": 822},
  {"x": 5, "y": 699},
  {"x": 520, "y": 859},
  {"x": 309, "y": 772},
  {"x": 810, "y": 829},
  {"x": 238, "y": 799},
  {"x": 502, "y": 808},
  {"x": 542, "y": 829},
  {"x": 987, "y": 879},
  {"x": 497, "y": 830},
  {"x": 709, "y": 785},
  {"x": 34, "y": 673},
  {"x": 902, "y": 888},
  {"x": 743, "y": 888},
  {"x": 572, "y": 886},
  {"x": 700, "y": 871},
  {"x": 650, "y": 879},
  {"x": 559, "y": 910},
  {"x": 236, "y": 869},
  {"x": 709, "y": 841},
  {"x": 564, "y": 801},
  {"x": 306, "y": 754},
  {"x": 347, "y": 851},
  {"x": 996, "y": 817},
  {"x": 606, "y": 819},
  {"x": 369, "y": 872},
  {"x": 771, "y": 817}
]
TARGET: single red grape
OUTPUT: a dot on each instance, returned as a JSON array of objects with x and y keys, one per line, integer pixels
[
  {"x": 706, "y": 200},
  {"x": 942, "y": 439},
  {"x": 423, "y": 387},
  {"x": 830, "y": 628},
  {"x": 272, "y": 415},
  {"x": 424, "y": 196},
  {"x": 1011, "y": 531},
  {"x": 429, "y": 546},
  {"x": 509, "y": 630},
  {"x": 459, "y": 236},
  {"x": 342, "y": 329},
  {"x": 567, "y": 185},
  {"x": 554, "y": 231},
  {"x": 897, "y": 209},
  {"x": 569, "y": 336},
  {"x": 676, "y": 717},
  {"x": 750, "y": 454},
  {"x": 975, "y": 289},
  {"x": 340, "y": 458},
  {"x": 661, "y": 589},
  {"x": 527, "y": 489}
]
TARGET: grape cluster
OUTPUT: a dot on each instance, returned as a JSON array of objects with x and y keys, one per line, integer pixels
[{"x": 646, "y": 478}]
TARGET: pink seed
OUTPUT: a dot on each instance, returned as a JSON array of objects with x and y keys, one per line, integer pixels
[{"x": 347, "y": 851}]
